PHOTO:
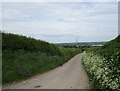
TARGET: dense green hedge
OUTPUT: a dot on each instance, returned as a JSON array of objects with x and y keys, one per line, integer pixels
[
  {"x": 22, "y": 64},
  {"x": 17, "y": 42},
  {"x": 23, "y": 57},
  {"x": 102, "y": 65}
]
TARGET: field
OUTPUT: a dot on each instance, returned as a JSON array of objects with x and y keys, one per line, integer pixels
[
  {"x": 24, "y": 57},
  {"x": 102, "y": 65}
]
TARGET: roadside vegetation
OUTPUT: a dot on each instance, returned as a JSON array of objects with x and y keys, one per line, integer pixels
[
  {"x": 102, "y": 65},
  {"x": 23, "y": 57}
]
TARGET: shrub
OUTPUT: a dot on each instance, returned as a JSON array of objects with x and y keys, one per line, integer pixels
[
  {"x": 101, "y": 76},
  {"x": 17, "y": 42},
  {"x": 102, "y": 65},
  {"x": 23, "y": 57}
]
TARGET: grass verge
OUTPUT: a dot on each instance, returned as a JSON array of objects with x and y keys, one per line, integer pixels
[{"x": 21, "y": 64}]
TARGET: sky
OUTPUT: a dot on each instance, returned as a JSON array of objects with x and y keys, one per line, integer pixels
[{"x": 62, "y": 22}]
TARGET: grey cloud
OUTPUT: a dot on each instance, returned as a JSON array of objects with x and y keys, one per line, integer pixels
[{"x": 62, "y": 22}]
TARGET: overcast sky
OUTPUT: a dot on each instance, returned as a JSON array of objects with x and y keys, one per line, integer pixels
[{"x": 62, "y": 22}]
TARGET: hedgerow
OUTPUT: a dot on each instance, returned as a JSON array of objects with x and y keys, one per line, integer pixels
[
  {"x": 16, "y": 42},
  {"x": 102, "y": 65},
  {"x": 24, "y": 57},
  {"x": 101, "y": 76}
]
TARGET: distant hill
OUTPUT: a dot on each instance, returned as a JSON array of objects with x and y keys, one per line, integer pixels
[{"x": 82, "y": 44}]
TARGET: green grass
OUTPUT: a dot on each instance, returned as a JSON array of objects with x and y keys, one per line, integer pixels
[
  {"x": 23, "y": 57},
  {"x": 22, "y": 64}
]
